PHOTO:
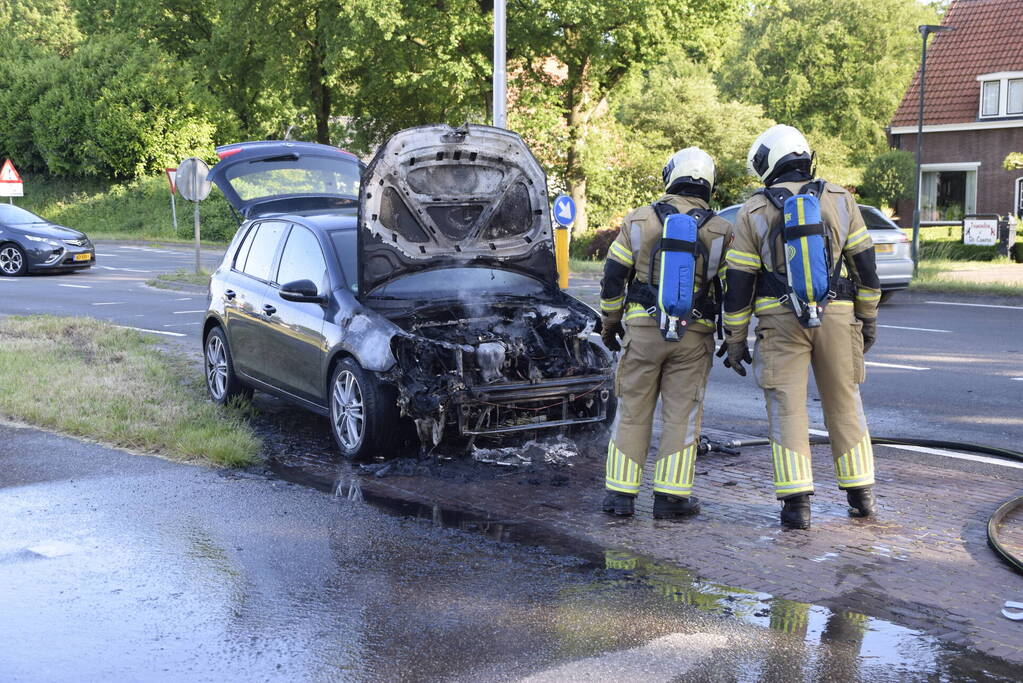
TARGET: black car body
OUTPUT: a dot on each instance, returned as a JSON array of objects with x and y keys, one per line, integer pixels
[
  {"x": 421, "y": 287},
  {"x": 31, "y": 244}
]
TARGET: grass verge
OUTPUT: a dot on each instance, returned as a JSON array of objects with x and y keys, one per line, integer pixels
[
  {"x": 583, "y": 266},
  {"x": 95, "y": 380},
  {"x": 181, "y": 276},
  {"x": 969, "y": 277}
]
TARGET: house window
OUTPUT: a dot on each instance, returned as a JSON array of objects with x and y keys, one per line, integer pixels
[
  {"x": 948, "y": 192},
  {"x": 1001, "y": 94},
  {"x": 989, "y": 98},
  {"x": 1014, "y": 97}
]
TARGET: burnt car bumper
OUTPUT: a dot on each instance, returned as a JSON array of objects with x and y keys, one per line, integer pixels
[{"x": 524, "y": 406}]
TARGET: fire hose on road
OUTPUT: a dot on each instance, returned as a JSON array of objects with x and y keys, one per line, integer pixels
[{"x": 1006, "y": 508}]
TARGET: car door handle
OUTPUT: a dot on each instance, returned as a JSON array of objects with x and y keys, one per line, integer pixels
[
  {"x": 230, "y": 294},
  {"x": 269, "y": 310}
]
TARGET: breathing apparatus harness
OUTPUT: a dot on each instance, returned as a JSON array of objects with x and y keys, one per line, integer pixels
[
  {"x": 670, "y": 297},
  {"x": 809, "y": 281}
]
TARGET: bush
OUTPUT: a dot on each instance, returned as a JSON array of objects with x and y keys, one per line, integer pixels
[{"x": 889, "y": 178}]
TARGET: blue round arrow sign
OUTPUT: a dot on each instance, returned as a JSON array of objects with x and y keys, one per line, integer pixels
[{"x": 564, "y": 210}]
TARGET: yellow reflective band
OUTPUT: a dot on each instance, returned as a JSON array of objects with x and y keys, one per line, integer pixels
[
  {"x": 635, "y": 311},
  {"x": 840, "y": 302},
  {"x": 793, "y": 472},
  {"x": 742, "y": 258},
  {"x": 612, "y": 305},
  {"x": 705, "y": 322},
  {"x": 738, "y": 317},
  {"x": 674, "y": 473},
  {"x": 855, "y": 467},
  {"x": 622, "y": 474},
  {"x": 766, "y": 303},
  {"x": 868, "y": 294},
  {"x": 857, "y": 237},
  {"x": 621, "y": 253}
]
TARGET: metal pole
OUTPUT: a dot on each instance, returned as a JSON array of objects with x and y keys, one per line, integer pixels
[
  {"x": 198, "y": 264},
  {"x": 919, "y": 152},
  {"x": 174, "y": 214},
  {"x": 500, "y": 73}
]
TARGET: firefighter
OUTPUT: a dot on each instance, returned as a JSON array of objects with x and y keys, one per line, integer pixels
[
  {"x": 663, "y": 352},
  {"x": 797, "y": 328}
]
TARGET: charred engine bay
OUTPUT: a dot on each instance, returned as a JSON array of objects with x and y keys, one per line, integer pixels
[{"x": 490, "y": 366}]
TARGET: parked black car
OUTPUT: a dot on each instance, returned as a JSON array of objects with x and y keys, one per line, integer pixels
[
  {"x": 29, "y": 243},
  {"x": 422, "y": 288}
]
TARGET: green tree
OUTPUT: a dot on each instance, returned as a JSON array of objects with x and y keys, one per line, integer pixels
[
  {"x": 889, "y": 178},
  {"x": 837, "y": 69},
  {"x": 46, "y": 24},
  {"x": 585, "y": 50}
]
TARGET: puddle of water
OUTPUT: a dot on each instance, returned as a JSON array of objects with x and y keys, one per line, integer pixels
[{"x": 835, "y": 644}]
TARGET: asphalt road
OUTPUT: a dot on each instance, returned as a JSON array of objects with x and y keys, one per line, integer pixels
[
  {"x": 944, "y": 367},
  {"x": 119, "y": 567}
]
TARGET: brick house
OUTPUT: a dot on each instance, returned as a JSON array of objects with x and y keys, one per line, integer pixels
[{"x": 973, "y": 114}]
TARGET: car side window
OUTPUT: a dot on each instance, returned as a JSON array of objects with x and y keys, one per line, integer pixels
[
  {"x": 263, "y": 249},
  {"x": 246, "y": 245},
  {"x": 302, "y": 258}
]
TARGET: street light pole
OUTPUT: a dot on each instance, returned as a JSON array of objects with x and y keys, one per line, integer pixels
[
  {"x": 500, "y": 73},
  {"x": 925, "y": 31}
]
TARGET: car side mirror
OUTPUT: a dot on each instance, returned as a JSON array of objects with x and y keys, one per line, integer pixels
[{"x": 302, "y": 291}]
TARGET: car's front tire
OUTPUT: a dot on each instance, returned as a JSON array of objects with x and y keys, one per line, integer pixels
[
  {"x": 12, "y": 260},
  {"x": 364, "y": 417},
  {"x": 222, "y": 382}
]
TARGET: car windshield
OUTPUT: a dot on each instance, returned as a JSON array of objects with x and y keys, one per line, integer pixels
[
  {"x": 875, "y": 219},
  {"x": 291, "y": 174},
  {"x": 15, "y": 215},
  {"x": 460, "y": 283}
]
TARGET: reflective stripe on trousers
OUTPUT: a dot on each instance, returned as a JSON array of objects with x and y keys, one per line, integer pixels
[
  {"x": 622, "y": 474},
  {"x": 673, "y": 473}
]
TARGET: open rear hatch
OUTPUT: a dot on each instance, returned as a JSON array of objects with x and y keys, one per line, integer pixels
[
  {"x": 275, "y": 176},
  {"x": 435, "y": 196}
]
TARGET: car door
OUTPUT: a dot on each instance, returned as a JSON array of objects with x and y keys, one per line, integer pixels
[
  {"x": 295, "y": 343},
  {"x": 244, "y": 292}
]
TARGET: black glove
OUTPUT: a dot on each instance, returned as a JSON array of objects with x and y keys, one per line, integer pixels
[
  {"x": 869, "y": 332},
  {"x": 610, "y": 333},
  {"x": 738, "y": 353}
]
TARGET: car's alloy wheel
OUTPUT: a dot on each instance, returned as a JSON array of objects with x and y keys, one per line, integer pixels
[
  {"x": 12, "y": 260},
  {"x": 216, "y": 367},
  {"x": 348, "y": 410},
  {"x": 221, "y": 380}
]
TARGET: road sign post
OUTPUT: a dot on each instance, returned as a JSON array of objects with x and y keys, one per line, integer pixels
[
  {"x": 10, "y": 182},
  {"x": 564, "y": 216},
  {"x": 171, "y": 174},
  {"x": 193, "y": 184}
]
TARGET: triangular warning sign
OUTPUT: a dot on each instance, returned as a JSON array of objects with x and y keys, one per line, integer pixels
[{"x": 9, "y": 174}]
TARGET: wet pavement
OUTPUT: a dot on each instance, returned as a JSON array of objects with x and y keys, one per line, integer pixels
[{"x": 115, "y": 566}]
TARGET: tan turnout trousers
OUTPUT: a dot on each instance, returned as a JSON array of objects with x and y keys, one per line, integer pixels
[{"x": 676, "y": 371}]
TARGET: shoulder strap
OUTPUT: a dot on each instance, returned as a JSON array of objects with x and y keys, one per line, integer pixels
[
  {"x": 663, "y": 210},
  {"x": 776, "y": 195},
  {"x": 814, "y": 187}
]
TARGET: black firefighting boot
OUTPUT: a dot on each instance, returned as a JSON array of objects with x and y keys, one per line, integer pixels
[
  {"x": 861, "y": 501},
  {"x": 666, "y": 506},
  {"x": 620, "y": 504},
  {"x": 796, "y": 512}
]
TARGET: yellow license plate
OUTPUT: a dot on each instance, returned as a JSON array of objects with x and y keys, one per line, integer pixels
[
  {"x": 83, "y": 257},
  {"x": 884, "y": 248}
]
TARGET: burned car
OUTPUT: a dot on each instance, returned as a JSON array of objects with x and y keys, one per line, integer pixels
[{"x": 418, "y": 293}]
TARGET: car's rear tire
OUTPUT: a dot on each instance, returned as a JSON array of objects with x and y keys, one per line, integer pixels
[
  {"x": 222, "y": 383},
  {"x": 12, "y": 260},
  {"x": 364, "y": 417},
  {"x": 886, "y": 296}
]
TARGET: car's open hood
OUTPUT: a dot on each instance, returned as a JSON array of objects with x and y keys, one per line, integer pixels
[
  {"x": 276, "y": 176},
  {"x": 438, "y": 196}
]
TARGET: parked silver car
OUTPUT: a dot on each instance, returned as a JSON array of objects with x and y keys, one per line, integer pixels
[{"x": 894, "y": 262}]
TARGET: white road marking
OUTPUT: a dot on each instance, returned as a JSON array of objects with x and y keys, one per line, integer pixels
[
  {"x": 186, "y": 312},
  {"x": 1017, "y": 379},
  {"x": 109, "y": 255},
  {"x": 126, "y": 270},
  {"x": 956, "y": 303},
  {"x": 143, "y": 329},
  {"x": 914, "y": 329},
  {"x": 894, "y": 366},
  {"x": 181, "y": 324},
  {"x": 76, "y": 286},
  {"x": 184, "y": 298},
  {"x": 8, "y": 279},
  {"x": 948, "y": 454},
  {"x": 108, "y": 303}
]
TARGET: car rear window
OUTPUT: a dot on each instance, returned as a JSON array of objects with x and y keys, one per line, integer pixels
[
  {"x": 875, "y": 219},
  {"x": 292, "y": 174}
]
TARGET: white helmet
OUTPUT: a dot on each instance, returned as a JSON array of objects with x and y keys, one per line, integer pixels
[
  {"x": 777, "y": 146},
  {"x": 691, "y": 163}
]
